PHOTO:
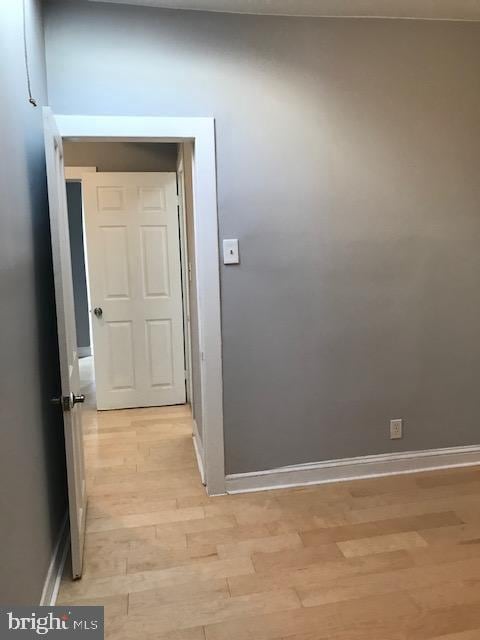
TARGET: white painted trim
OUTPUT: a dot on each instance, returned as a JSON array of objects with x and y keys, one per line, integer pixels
[
  {"x": 61, "y": 567},
  {"x": 76, "y": 174},
  {"x": 55, "y": 569},
  {"x": 197, "y": 445},
  {"x": 200, "y": 131},
  {"x": 182, "y": 210},
  {"x": 353, "y": 469}
]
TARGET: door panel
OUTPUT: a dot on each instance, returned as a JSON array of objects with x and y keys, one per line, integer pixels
[
  {"x": 152, "y": 199},
  {"x": 156, "y": 277},
  {"x": 133, "y": 249},
  {"x": 159, "y": 349},
  {"x": 122, "y": 370},
  {"x": 67, "y": 341},
  {"x": 115, "y": 262},
  {"x": 110, "y": 199}
]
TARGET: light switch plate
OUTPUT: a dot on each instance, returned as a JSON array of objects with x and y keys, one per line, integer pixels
[{"x": 230, "y": 252}]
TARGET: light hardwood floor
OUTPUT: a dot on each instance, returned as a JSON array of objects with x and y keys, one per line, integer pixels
[{"x": 396, "y": 558}]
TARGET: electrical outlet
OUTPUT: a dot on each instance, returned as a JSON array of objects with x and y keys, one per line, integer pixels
[{"x": 396, "y": 429}]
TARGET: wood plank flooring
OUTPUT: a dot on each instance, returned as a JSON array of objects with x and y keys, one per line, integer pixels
[{"x": 396, "y": 558}]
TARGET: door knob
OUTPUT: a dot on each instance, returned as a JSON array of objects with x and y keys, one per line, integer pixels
[
  {"x": 98, "y": 311},
  {"x": 68, "y": 402}
]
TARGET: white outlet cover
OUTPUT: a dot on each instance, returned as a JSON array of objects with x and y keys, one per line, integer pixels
[{"x": 396, "y": 429}]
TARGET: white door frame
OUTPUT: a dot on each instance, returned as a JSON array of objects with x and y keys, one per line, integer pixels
[
  {"x": 200, "y": 131},
  {"x": 186, "y": 271}
]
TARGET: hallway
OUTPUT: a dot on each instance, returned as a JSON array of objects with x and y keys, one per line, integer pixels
[{"x": 391, "y": 558}]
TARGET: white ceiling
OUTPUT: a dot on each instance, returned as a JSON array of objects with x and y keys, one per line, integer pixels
[{"x": 422, "y": 9}]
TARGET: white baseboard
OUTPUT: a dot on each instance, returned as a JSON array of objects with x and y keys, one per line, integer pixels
[
  {"x": 198, "y": 446},
  {"x": 55, "y": 569},
  {"x": 353, "y": 469}
]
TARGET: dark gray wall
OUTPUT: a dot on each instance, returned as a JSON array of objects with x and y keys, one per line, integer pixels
[
  {"x": 348, "y": 163},
  {"x": 79, "y": 277},
  {"x": 32, "y": 454},
  {"x": 121, "y": 156}
]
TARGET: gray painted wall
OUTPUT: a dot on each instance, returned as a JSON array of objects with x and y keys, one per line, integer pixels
[
  {"x": 32, "y": 454},
  {"x": 79, "y": 275},
  {"x": 348, "y": 163},
  {"x": 121, "y": 156}
]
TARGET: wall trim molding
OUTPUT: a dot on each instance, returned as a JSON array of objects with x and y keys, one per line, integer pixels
[
  {"x": 344, "y": 469},
  {"x": 84, "y": 352},
  {"x": 199, "y": 454},
  {"x": 57, "y": 562}
]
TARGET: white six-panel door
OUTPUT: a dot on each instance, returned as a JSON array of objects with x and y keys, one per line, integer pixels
[
  {"x": 70, "y": 399},
  {"x": 133, "y": 255}
]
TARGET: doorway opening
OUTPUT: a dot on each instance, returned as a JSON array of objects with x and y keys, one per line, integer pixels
[
  {"x": 132, "y": 250},
  {"x": 132, "y": 246},
  {"x": 108, "y": 201}
]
